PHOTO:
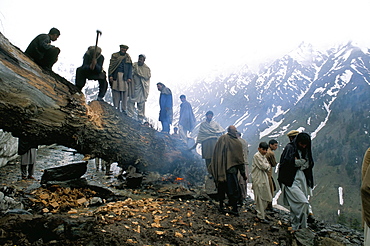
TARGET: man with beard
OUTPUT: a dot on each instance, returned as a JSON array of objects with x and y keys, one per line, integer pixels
[
  {"x": 92, "y": 69},
  {"x": 165, "y": 104},
  {"x": 120, "y": 75},
  {"x": 41, "y": 51},
  {"x": 139, "y": 88},
  {"x": 209, "y": 131},
  {"x": 187, "y": 119},
  {"x": 296, "y": 179},
  {"x": 227, "y": 162}
]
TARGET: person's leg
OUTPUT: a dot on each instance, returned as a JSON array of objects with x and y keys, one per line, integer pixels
[
  {"x": 24, "y": 171},
  {"x": 31, "y": 170},
  {"x": 221, "y": 191},
  {"x": 165, "y": 126},
  {"x": 141, "y": 110},
  {"x": 103, "y": 85},
  {"x": 299, "y": 207},
  {"x": 116, "y": 99},
  {"x": 80, "y": 78},
  {"x": 233, "y": 190},
  {"x": 183, "y": 133},
  {"x": 260, "y": 206},
  {"x": 50, "y": 58},
  {"x": 131, "y": 108},
  {"x": 124, "y": 101}
]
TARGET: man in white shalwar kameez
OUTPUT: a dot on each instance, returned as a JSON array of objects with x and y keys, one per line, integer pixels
[
  {"x": 260, "y": 181},
  {"x": 138, "y": 88},
  {"x": 296, "y": 179}
]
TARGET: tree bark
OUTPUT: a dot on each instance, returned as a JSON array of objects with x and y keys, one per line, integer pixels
[{"x": 45, "y": 108}]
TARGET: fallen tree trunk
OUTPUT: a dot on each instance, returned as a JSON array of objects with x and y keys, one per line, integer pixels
[{"x": 44, "y": 108}]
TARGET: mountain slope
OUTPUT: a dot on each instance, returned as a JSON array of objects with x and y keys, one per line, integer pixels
[{"x": 323, "y": 93}]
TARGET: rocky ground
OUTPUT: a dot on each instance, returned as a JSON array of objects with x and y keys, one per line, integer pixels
[{"x": 162, "y": 211}]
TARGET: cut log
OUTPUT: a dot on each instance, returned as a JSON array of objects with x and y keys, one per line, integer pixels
[
  {"x": 63, "y": 173},
  {"x": 44, "y": 108}
]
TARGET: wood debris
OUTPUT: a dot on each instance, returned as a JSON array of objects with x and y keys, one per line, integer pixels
[{"x": 59, "y": 199}]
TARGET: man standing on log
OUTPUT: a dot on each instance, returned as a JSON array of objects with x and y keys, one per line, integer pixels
[
  {"x": 92, "y": 69},
  {"x": 120, "y": 75},
  {"x": 227, "y": 162},
  {"x": 165, "y": 104},
  {"x": 209, "y": 131},
  {"x": 139, "y": 88},
  {"x": 42, "y": 52},
  {"x": 187, "y": 119}
]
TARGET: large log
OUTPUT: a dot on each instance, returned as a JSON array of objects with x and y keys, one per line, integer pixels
[{"x": 45, "y": 108}]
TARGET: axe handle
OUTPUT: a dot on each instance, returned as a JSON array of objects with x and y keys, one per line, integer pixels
[{"x": 96, "y": 45}]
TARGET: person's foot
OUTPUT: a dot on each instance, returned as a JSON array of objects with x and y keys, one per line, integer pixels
[
  {"x": 235, "y": 213},
  {"x": 100, "y": 99},
  {"x": 31, "y": 177},
  {"x": 24, "y": 177},
  {"x": 310, "y": 219},
  {"x": 264, "y": 221}
]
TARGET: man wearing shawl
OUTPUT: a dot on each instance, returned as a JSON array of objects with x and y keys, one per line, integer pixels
[
  {"x": 120, "y": 75},
  {"x": 296, "y": 178},
  {"x": 187, "y": 119},
  {"x": 365, "y": 196},
  {"x": 227, "y": 162},
  {"x": 92, "y": 69},
  {"x": 209, "y": 131},
  {"x": 165, "y": 104},
  {"x": 139, "y": 88}
]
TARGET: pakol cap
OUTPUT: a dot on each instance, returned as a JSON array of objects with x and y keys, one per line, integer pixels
[
  {"x": 123, "y": 46},
  {"x": 292, "y": 133}
]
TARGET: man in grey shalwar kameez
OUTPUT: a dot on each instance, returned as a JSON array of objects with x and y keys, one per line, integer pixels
[
  {"x": 139, "y": 88},
  {"x": 296, "y": 179}
]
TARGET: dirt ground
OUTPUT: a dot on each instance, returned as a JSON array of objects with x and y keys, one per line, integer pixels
[{"x": 163, "y": 212}]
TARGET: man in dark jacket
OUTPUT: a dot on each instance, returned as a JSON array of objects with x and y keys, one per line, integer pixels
[
  {"x": 92, "y": 69},
  {"x": 41, "y": 51},
  {"x": 120, "y": 75},
  {"x": 165, "y": 104},
  {"x": 296, "y": 179}
]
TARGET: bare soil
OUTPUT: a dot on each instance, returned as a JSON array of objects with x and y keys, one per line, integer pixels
[{"x": 157, "y": 213}]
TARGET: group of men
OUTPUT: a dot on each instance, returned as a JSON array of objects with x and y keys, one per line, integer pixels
[
  {"x": 225, "y": 154},
  {"x": 226, "y": 160},
  {"x": 128, "y": 80}
]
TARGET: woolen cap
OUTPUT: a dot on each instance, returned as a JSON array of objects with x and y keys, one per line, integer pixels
[{"x": 292, "y": 133}]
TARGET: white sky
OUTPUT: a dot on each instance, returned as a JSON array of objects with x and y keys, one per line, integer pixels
[{"x": 186, "y": 39}]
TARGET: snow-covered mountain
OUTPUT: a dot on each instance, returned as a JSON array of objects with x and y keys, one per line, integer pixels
[{"x": 325, "y": 93}]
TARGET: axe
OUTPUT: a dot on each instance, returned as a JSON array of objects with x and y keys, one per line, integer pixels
[
  {"x": 98, "y": 33},
  {"x": 92, "y": 65}
]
